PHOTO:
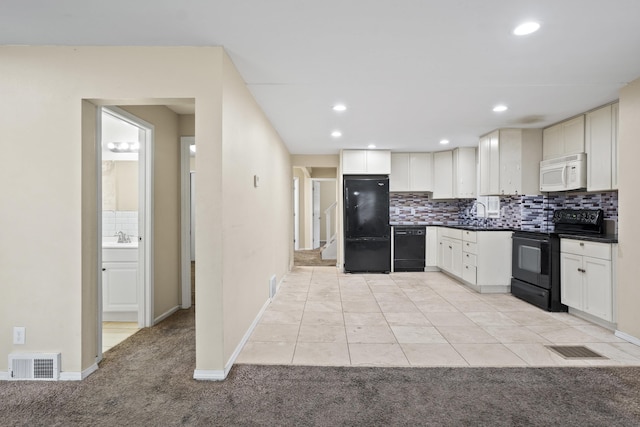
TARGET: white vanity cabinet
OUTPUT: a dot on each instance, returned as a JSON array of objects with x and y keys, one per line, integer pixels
[
  {"x": 601, "y": 145},
  {"x": 564, "y": 138},
  {"x": 366, "y": 162},
  {"x": 588, "y": 276},
  {"x": 477, "y": 258},
  {"x": 411, "y": 172},
  {"x": 120, "y": 292}
]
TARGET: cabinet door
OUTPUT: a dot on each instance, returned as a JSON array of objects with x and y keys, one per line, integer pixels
[
  {"x": 598, "y": 144},
  {"x": 399, "y": 177},
  {"x": 444, "y": 254},
  {"x": 421, "y": 172},
  {"x": 354, "y": 161},
  {"x": 510, "y": 169},
  {"x": 456, "y": 257},
  {"x": 378, "y": 162},
  {"x": 120, "y": 286},
  {"x": 552, "y": 145},
  {"x": 432, "y": 247},
  {"x": 443, "y": 175},
  {"x": 494, "y": 161},
  {"x": 573, "y": 135},
  {"x": 614, "y": 146},
  {"x": 571, "y": 280},
  {"x": 484, "y": 164},
  {"x": 464, "y": 173},
  {"x": 597, "y": 288}
]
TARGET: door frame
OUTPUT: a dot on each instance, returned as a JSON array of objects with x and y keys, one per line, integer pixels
[
  {"x": 296, "y": 213},
  {"x": 321, "y": 213},
  {"x": 185, "y": 220},
  {"x": 145, "y": 216}
]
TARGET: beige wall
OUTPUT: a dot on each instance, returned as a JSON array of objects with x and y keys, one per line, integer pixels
[
  {"x": 252, "y": 252},
  {"x": 48, "y": 250},
  {"x": 166, "y": 202},
  {"x": 628, "y": 250},
  {"x": 316, "y": 161},
  {"x": 327, "y": 198},
  {"x": 187, "y": 124},
  {"x": 303, "y": 178}
]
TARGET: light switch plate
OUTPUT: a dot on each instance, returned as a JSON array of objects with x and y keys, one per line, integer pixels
[{"x": 18, "y": 334}]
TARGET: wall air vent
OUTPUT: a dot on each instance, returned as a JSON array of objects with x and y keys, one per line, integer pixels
[{"x": 34, "y": 366}]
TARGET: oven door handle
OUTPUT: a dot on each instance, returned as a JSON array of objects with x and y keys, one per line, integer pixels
[{"x": 543, "y": 240}]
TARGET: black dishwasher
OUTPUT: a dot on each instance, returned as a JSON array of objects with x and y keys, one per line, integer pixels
[{"x": 409, "y": 243}]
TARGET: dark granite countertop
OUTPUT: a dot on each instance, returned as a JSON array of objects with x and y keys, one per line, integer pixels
[{"x": 458, "y": 226}]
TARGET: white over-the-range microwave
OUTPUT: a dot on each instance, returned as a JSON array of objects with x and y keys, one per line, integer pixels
[{"x": 564, "y": 173}]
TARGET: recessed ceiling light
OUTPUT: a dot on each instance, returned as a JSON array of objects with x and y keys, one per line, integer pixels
[
  {"x": 336, "y": 134},
  {"x": 500, "y": 108},
  {"x": 371, "y": 146},
  {"x": 339, "y": 107},
  {"x": 526, "y": 28},
  {"x": 444, "y": 141}
]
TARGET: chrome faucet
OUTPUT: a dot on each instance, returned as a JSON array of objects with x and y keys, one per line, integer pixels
[
  {"x": 122, "y": 237},
  {"x": 480, "y": 222}
]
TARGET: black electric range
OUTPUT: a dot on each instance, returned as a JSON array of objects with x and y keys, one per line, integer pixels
[{"x": 535, "y": 262}]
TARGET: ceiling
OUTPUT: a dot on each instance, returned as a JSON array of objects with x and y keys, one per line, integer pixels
[{"x": 411, "y": 72}]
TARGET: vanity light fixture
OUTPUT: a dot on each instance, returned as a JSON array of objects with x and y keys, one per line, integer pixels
[
  {"x": 124, "y": 147},
  {"x": 336, "y": 134},
  {"x": 526, "y": 28},
  {"x": 444, "y": 141},
  {"x": 500, "y": 108},
  {"x": 339, "y": 107}
]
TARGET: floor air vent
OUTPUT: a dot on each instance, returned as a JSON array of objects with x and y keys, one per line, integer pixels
[
  {"x": 575, "y": 352},
  {"x": 34, "y": 366}
]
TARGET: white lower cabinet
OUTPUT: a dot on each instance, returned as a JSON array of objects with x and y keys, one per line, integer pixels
[
  {"x": 120, "y": 285},
  {"x": 587, "y": 277},
  {"x": 477, "y": 258},
  {"x": 431, "y": 260}
]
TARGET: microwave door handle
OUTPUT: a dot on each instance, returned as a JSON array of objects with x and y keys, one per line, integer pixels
[{"x": 564, "y": 176}]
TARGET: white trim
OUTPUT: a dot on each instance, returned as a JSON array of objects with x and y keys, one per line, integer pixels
[
  {"x": 90, "y": 370},
  {"x": 209, "y": 375},
  {"x": 218, "y": 375},
  {"x": 627, "y": 337},
  {"x": 4, "y": 376},
  {"x": 185, "y": 220},
  {"x": 98, "y": 148},
  {"x": 166, "y": 314}
]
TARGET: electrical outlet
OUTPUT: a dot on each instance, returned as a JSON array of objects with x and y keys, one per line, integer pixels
[{"x": 18, "y": 334}]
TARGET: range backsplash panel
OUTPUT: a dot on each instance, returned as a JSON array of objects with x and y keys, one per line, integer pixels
[{"x": 519, "y": 212}]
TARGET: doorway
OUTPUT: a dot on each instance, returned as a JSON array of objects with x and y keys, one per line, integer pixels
[
  {"x": 125, "y": 196},
  {"x": 187, "y": 219}
]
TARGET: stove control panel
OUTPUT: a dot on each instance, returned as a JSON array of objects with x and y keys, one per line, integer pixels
[{"x": 578, "y": 216}]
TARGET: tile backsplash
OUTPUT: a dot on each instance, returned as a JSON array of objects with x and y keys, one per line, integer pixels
[
  {"x": 115, "y": 221},
  {"x": 527, "y": 212}
]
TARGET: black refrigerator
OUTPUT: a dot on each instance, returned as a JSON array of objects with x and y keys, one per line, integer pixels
[{"x": 367, "y": 234}]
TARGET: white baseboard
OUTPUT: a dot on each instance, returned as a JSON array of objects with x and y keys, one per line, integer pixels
[
  {"x": 90, "y": 370},
  {"x": 70, "y": 376},
  {"x": 166, "y": 314},
  {"x": 627, "y": 337},
  {"x": 4, "y": 376},
  {"x": 218, "y": 375}
]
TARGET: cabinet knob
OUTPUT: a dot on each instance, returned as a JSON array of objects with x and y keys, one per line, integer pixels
[
  {"x": 581, "y": 244},
  {"x": 104, "y": 269}
]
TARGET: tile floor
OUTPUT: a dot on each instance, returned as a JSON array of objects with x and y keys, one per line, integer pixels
[
  {"x": 114, "y": 333},
  {"x": 322, "y": 317}
]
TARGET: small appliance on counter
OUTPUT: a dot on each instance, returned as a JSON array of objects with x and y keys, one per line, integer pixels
[
  {"x": 367, "y": 233},
  {"x": 535, "y": 262},
  {"x": 409, "y": 247}
]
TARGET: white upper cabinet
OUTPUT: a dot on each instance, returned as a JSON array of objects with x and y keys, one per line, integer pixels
[
  {"x": 464, "y": 172},
  {"x": 366, "y": 162},
  {"x": 601, "y": 143},
  {"x": 564, "y": 138},
  {"x": 411, "y": 172},
  {"x": 443, "y": 175},
  {"x": 510, "y": 162}
]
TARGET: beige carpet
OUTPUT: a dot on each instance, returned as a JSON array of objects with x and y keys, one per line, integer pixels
[
  {"x": 147, "y": 381},
  {"x": 311, "y": 258}
]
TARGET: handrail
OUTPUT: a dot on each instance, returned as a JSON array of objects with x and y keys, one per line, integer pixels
[{"x": 327, "y": 217}]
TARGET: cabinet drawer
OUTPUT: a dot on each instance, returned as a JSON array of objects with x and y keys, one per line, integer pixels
[
  {"x": 469, "y": 273},
  {"x": 469, "y": 236},
  {"x": 452, "y": 233},
  {"x": 469, "y": 258},
  {"x": 120, "y": 255},
  {"x": 590, "y": 249},
  {"x": 470, "y": 247}
]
